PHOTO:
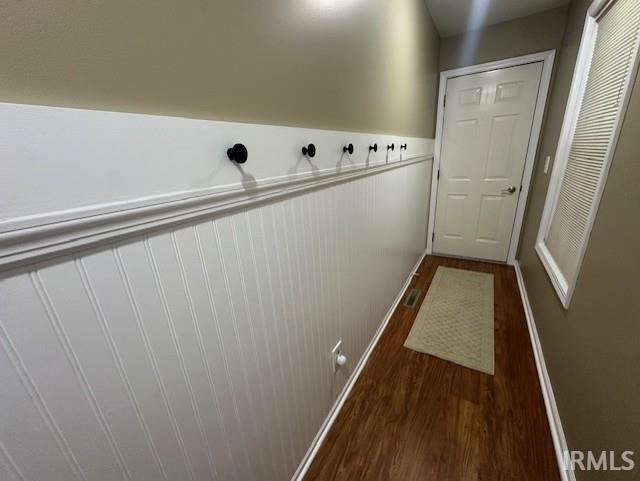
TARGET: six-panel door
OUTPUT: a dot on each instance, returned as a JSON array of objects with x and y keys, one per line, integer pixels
[{"x": 488, "y": 118}]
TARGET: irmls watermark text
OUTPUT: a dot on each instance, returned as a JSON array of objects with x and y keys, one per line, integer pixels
[{"x": 599, "y": 461}]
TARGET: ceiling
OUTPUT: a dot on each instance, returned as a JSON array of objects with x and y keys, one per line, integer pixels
[{"x": 453, "y": 17}]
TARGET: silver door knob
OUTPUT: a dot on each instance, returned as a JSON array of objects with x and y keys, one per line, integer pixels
[{"x": 510, "y": 190}]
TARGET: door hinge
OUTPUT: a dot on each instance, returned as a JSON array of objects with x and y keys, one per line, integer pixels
[
  {"x": 444, "y": 101},
  {"x": 433, "y": 236},
  {"x": 438, "y": 175},
  {"x": 521, "y": 188}
]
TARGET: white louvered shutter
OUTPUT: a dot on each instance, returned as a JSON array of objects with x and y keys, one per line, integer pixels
[{"x": 609, "y": 73}]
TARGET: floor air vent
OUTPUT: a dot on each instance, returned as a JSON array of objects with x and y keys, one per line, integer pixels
[{"x": 412, "y": 298}]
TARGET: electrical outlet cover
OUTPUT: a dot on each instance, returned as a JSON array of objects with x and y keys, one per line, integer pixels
[{"x": 334, "y": 354}]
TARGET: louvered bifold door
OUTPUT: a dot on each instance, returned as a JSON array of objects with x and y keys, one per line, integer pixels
[{"x": 609, "y": 73}]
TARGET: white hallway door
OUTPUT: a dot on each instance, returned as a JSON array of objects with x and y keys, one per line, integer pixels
[{"x": 488, "y": 118}]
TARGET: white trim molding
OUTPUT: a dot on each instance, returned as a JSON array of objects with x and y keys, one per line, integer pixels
[
  {"x": 555, "y": 425},
  {"x": 72, "y": 178},
  {"x": 53, "y": 238},
  {"x": 547, "y": 59},
  {"x": 565, "y": 287},
  {"x": 339, "y": 403}
]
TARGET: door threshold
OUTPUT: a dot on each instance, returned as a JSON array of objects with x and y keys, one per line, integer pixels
[{"x": 465, "y": 258}]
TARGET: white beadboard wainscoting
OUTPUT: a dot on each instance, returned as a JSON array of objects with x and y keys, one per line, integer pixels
[{"x": 183, "y": 332}]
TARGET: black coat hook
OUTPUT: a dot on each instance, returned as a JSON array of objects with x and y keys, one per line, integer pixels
[
  {"x": 309, "y": 150},
  {"x": 373, "y": 147},
  {"x": 348, "y": 148},
  {"x": 403, "y": 146},
  {"x": 238, "y": 154},
  {"x": 391, "y": 147}
]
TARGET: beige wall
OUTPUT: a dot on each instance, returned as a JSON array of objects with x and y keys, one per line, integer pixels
[
  {"x": 535, "y": 33},
  {"x": 345, "y": 65},
  {"x": 593, "y": 349}
]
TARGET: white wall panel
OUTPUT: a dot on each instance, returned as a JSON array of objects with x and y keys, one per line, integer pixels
[
  {"x": 200, "y": 350},
  {"x": 127, "y": 160}
]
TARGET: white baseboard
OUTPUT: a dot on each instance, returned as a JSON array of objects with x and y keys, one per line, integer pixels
[
  {"x": 337, "y": 406},
  {"x": 557, "y": 433}
]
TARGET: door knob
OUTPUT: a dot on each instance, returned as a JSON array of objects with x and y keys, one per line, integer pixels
[
  {"x": 348, "y": 148},
  {"x": 509, "y": 190}
]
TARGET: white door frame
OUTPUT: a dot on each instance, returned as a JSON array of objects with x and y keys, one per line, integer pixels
[{"x": 546, "y": 58}]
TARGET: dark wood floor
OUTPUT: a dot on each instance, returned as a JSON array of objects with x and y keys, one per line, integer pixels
[{"x": 412, "y": 416}]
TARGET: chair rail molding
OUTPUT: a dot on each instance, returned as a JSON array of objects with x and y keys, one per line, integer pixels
[{"x": 74, "y": 178}]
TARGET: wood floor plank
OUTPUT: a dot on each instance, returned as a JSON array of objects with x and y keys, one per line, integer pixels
[{"x": 414, "y": 417}]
